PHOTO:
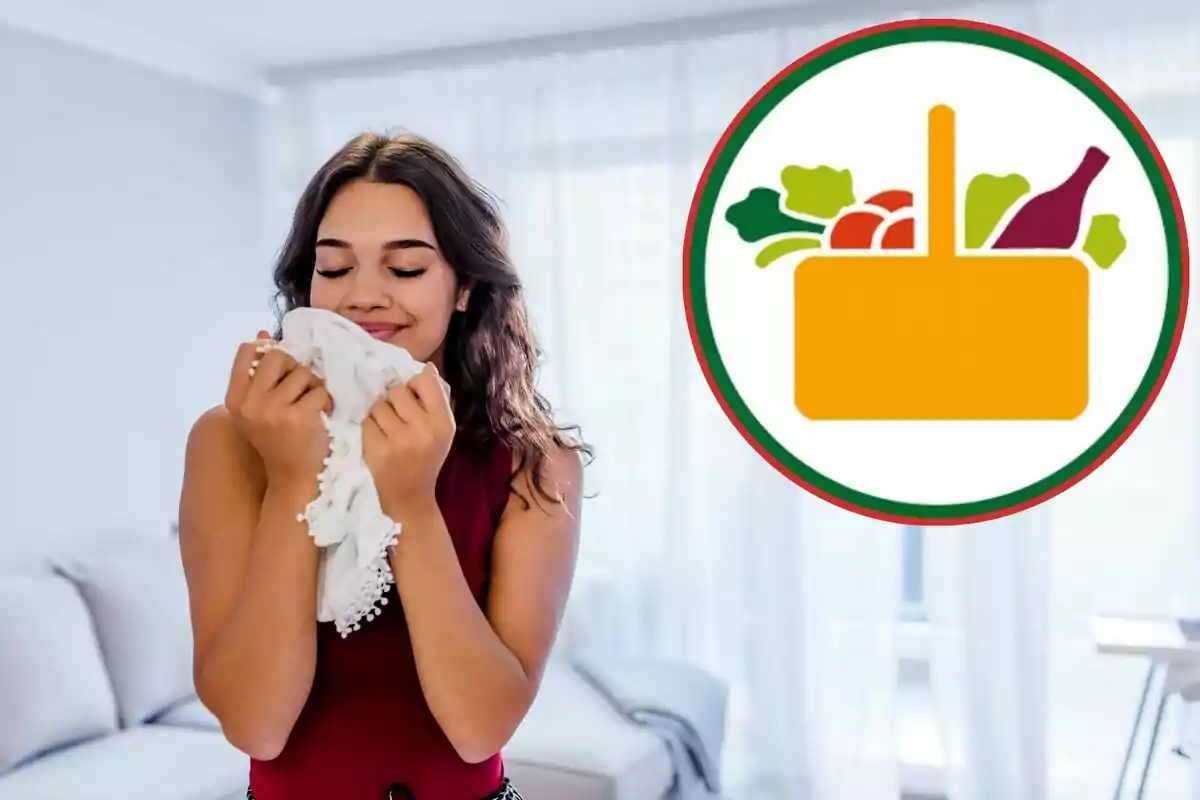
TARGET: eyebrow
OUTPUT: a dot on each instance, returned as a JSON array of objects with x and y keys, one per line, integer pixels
[{"x": 395, "y": 244}]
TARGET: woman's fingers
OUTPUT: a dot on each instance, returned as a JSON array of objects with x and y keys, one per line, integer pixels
[
  {"x": 271, "y": 368},
  {"x": 239, "y": 378},
  {"x": 373, "y": 437},
  {"x": 430, "y": 390},
  {"x": 434, "y": 396},
  {"x": 293, "y": 386},
  {"x": 384, "y": 415},
  {"x": 262, "y": 345},
  {"x": 404, "y": 401},
  {"x": 315, "y": 399}
]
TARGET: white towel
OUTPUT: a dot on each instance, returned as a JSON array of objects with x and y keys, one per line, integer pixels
[{"x": 346, "y": 520}]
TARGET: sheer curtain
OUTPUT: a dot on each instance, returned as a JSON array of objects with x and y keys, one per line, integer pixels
[
  {"x": 1025, "y": 706},
  {"x": 693, "y": 548}
]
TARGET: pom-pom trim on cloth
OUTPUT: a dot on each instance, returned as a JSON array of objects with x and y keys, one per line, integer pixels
[{"x": 346, "y": 520}]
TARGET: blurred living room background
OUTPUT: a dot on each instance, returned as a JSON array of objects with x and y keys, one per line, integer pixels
[{"x": 151, "y": 154}]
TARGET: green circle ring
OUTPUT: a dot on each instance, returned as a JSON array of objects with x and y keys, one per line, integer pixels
[{"x": 703, "y": 211}]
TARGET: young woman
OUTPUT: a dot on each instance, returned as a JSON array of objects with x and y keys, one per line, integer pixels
[{"x": 418, "y": 703}]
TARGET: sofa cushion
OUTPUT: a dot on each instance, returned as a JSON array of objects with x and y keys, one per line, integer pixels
[
  {"x": 139, "y": 602},
  {"x": 190, "y": 714},
  {"x": 680, "y": 700},
  {"x": 145, "y": 762},
  {"x": 574, "y": 744},
  {"x": 53, "y": 687}
]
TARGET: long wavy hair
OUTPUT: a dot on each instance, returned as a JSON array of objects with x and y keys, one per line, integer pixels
[{"x": 491, "y": 353}]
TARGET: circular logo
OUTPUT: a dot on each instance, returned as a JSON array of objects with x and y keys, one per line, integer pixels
[{"x": 935, "y": 272}]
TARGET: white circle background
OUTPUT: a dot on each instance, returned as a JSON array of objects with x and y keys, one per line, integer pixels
[{"x": 870, "y": 114}]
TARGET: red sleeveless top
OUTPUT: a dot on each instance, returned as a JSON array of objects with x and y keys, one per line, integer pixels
[{"x": 365, "y": 725}]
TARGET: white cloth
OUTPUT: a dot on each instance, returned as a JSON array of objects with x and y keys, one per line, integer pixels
[{"x": 346, "y": 520}]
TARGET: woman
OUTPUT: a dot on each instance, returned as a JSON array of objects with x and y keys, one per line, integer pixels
[{"x": 418, "y": 703}]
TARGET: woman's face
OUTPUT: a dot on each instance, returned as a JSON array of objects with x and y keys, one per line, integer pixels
[{"x": 378, "y": 264}]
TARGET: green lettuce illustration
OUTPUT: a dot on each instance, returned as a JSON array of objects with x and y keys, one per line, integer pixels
[
  {"x": 988, "y": 197},
  {"x": 1104, "y": 242},
  {"x": 819, "y": 192},
  {"x": 759, "y": 216}
]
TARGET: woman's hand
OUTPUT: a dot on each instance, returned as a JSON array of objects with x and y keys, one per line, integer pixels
[
  {"x": 406, "y": 438},
  {"x": 276, "y": 405}
]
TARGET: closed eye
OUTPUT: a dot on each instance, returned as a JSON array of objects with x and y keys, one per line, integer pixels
[
  {"x": 399, "y": 273},
  {"x": 408, "y": 273}
]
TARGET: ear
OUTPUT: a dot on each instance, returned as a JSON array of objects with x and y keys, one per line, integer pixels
[{"x": 464, "y": 296}]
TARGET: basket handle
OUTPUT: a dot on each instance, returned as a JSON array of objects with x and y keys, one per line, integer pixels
[{"x": 942, "y": 212}]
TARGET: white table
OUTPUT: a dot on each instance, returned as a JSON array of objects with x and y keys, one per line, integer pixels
[{"x": 1162, "y": 642}]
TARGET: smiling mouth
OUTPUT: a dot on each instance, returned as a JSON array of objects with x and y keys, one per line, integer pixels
[{"x": 383, "y": 333}]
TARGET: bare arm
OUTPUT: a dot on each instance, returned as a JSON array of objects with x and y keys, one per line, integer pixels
[
  {"x": 251, "y": 570},
  {"x": 480, "y": 671}
]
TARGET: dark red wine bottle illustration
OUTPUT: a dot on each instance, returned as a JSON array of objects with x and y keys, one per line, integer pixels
[{"x": 1051, "y": 219}]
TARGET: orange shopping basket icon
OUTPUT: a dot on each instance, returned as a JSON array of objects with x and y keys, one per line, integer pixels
[{"x": 943, "y": 336}]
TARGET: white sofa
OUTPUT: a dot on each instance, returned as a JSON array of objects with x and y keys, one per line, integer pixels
[{"x": 96, "y": 700}]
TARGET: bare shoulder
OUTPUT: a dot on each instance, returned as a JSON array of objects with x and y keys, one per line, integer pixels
[
  {"x": 223, "y": 475},
  {"x": 564, "y": 467},
  {"x": 214, "y": 442},
  {"x": 212, "y": 426},
  {"x": 534, "y": 555},
  {"x": 560, "y": 476},
  {"x": 215, "y": 429}
]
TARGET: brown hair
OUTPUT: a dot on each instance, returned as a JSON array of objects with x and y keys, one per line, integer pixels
[{"x": 491, "y": 352}]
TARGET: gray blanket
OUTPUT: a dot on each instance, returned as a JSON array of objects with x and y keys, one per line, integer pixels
[{"x": 682, "y": 704}]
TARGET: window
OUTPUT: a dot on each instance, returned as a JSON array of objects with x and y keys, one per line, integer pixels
[{"x": 912, "y": 574}]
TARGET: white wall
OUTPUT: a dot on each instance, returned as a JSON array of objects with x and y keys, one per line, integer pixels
[{"x": 130, "y": 265}]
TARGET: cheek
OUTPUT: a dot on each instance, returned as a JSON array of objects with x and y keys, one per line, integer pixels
[
  {"x": 432, "y": 313},
  {"x": 324, "y": 295},
  {"x": 432, "y": 309},
  {"x": 432, "y": 299}
]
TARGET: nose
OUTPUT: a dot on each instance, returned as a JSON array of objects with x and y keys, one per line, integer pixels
[{"x": 366, "y": 291}]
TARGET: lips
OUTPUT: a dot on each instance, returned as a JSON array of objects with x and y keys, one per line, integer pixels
[{"x": 383, "y": 331}]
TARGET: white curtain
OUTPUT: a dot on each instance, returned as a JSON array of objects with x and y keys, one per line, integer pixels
[
  {"x": 1025, "y": 705},
  {"x": 693, "y": 547}
]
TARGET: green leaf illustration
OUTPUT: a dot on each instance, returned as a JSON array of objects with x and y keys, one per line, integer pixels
[
  {"x": 777, "y": 249},
  {"x": 988, "y": 197},
  {"x": 819, "y": 192},
  {"x": 759, "y": 216},
  {"x": 1104, "y": 243}
]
